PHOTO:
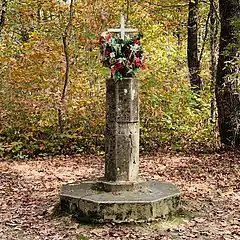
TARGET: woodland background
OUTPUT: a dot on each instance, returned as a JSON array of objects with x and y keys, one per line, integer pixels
[
  {"x": 52, "y": 102},
  {"x": 44, "y": 113}
]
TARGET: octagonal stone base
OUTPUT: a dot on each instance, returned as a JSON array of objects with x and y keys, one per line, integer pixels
[{"x": 151, "y": 201}]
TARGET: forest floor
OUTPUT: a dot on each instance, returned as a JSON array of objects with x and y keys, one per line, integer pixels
[{"x": 210, "y": 187}]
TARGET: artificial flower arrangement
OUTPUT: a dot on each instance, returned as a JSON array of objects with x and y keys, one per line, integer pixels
[{"x": 123, "y": 57}]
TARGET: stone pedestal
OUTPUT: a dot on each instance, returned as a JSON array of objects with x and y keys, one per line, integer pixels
[
  {"x": 86, "y": 200},
  {"x": 121, "y": 196},
  {"x": 122, "y": 130}
]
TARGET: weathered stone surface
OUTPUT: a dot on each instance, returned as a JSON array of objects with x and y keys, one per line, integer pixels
[
  {"x": 122, "y": 100},
  {"x": 120, "y": 186},
  {"x": 152, "y": 201},
  {"x": 122, "y": 130},
  {"x": 127, "y": 102}
]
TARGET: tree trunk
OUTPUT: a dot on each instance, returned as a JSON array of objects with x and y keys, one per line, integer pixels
[
  {"x": 227, "y": 86},
  {"x": 3, "y": 14},
  {"x": 67, "y": 61},
  {"x": 214, "y": 29},
  {"x": 192, "y": 46}
]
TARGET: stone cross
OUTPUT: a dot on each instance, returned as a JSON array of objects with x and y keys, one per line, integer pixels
[
  {"x": 122, "y": 29},
  {"x": 134, "y": 199},
  {"x": 122, "y": 128}
]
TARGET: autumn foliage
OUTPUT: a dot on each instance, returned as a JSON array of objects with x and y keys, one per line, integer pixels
[{"x": 33, "y": 66}]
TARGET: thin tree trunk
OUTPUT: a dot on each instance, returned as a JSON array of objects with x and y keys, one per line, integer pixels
[
  {"x": 3, "y": 14},
  {"x": 204, "y": 38},
  {"x": 192, "y": 46},
  {"x": 67, "y": 65},
  {"x": 214, "y": 53},
  {"x": 227, "y": 85},
  {"x": 39, "y": 18}
]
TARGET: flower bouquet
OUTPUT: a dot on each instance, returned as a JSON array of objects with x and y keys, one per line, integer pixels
[{"x": 123, "y": 57}]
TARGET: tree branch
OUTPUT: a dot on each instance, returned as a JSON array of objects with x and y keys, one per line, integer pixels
[
  {"x": 205, "y": 37},
  {"x": 167, "y": 6},
  {"x": 211, "y": 2},
  {"x": 65, "y": 48}
]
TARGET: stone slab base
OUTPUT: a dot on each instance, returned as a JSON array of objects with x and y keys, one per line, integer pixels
[{"x": 87, "y": 202}]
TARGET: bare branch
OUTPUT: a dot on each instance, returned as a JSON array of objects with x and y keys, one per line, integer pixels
[{"x": 168, "y": 6}]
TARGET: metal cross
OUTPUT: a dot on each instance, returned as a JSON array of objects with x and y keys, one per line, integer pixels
[{"x": 122, "y": 30}]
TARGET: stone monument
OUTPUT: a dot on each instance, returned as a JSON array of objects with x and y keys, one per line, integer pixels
[{"x": 121, "y": 196}]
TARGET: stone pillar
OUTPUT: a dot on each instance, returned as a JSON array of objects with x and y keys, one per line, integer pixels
[
  {"x": 122, "y": 130},
  {"x": 136, "y": 200}
]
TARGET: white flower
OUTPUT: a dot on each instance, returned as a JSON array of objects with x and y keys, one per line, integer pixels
[
  {"x": 135, "y": 47},
  {"x": 112, "y": 55}
]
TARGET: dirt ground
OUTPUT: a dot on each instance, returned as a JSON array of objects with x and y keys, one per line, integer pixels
[{"x": 210, "y": 187}]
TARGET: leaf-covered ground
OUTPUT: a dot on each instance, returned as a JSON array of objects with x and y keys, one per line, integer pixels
[{"x": 210, "y": 187}]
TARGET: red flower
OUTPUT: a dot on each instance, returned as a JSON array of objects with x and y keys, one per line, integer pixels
[
  {"x": 108, "y": 51},
  {"x": 137, "y": 62},
  {"x": 127, "y": 51},
  {"x": 113, "y": 70},
  {"x": 118, "y": 67},
  {"x": 108, "y": 37},
  {"x": 138, "y": 54},
  {"x": 136, "y": 41}
]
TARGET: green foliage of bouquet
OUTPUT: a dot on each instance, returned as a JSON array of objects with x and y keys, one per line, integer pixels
[{"x": 123, "y": 57}]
